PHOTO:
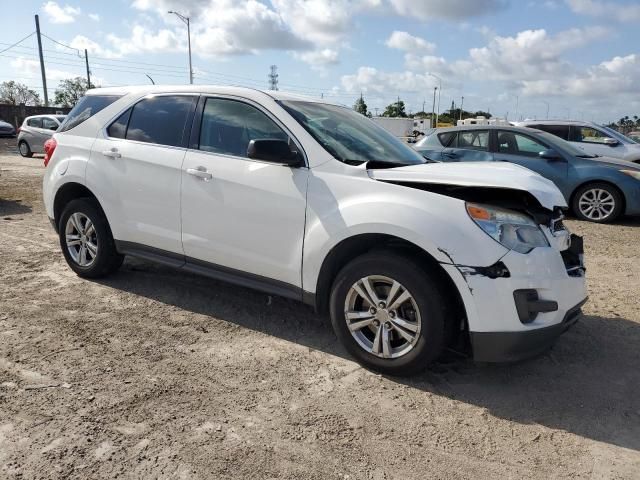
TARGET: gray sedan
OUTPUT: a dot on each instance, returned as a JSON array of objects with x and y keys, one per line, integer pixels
[
  {"x": 36, "y": 130},
  {"x": 598, "y": 189}
]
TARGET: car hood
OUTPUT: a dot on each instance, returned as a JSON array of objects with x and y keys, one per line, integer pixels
[{"x": 477, "y": 174}]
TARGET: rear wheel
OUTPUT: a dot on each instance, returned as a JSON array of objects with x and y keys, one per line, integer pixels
[
  {"x": 388, "y": 313},
  {"x": 86, "y": 240},
  {"x": 25, "y": 150},
  {"x": 597, "y": 202}
]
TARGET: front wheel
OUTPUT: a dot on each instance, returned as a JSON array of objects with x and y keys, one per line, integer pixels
[
  {"x": 86, "y": 240},
  {"x": 597, "y": 202},
  {"x": 388, "y": 314}
]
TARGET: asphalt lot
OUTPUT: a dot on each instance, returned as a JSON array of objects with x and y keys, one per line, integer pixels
[{"x": 157, "y": 374}]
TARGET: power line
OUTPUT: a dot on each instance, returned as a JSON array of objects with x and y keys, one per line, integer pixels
[{"x": 17, "y": 43}]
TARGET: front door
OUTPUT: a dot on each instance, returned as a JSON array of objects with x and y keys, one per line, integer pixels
[
  {"x": 240, "y": 213},
  {"x": 591, "y": 140},
  {"x": 525, "y": 150}
]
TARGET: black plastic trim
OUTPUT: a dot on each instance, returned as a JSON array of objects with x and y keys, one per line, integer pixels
[
  {"x": 528, "y": 304},
  {"x": 218, "y": 272},
  {"x": 494, "y": 347}
]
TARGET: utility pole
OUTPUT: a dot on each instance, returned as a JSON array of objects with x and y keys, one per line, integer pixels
[
  {"x": 461, "y": 105},
  {"x": 187, "y": 21},
  {"x": 44, "y": 75},
  {"x": 547, "y": 104},
  {"x": 433, "y": 108},
  {"x": 376, "y": 109},
  {"x": 273, "y": 78},
  {"x": 86, "y": 61},
  {"x": 517, "y": 102}
]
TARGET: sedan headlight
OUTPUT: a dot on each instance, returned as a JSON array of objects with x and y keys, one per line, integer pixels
[
  {"x": 514, "y": 230},
  {"x": 632, "y": 173}
]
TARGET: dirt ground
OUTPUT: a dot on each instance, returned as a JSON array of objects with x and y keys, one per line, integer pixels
[{"x": 157, "y": 374}]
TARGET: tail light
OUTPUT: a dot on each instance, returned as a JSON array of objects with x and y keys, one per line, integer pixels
[{"x": 49, "y": 147}]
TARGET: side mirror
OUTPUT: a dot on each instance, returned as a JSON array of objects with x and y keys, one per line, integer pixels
[
  {"x": 275, "y": 151},
  {"x": 612, "y": 142},
  {"x": 550, "y": 154}
]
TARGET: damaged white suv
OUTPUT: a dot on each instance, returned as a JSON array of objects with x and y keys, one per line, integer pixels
[{"x": 313, "y": 201}]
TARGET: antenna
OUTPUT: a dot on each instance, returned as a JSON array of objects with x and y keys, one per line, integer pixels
[{"x": 273, "y": 78}]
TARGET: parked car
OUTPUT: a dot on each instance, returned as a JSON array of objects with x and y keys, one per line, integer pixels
[
  {"x": 6, "y": 129},
  {"x": 590, "y": 137},
  {"x": 315, "y": 202},
  {"x": 36, "y": 130},
  {"x": 598, "y": 189}
]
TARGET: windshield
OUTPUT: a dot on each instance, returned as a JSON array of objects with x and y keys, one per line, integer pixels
[
  {"x": 350, "y": 136},
  {"x": 618, "y": 136}
]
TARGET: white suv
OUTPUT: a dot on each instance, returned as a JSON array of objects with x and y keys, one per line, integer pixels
[
  {"x": 590, "y": 137},
  {"x": 313, "y": 201}
]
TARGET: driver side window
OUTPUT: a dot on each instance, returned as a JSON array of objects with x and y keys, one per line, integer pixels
[
  {"x": 590, "y": 135},
  {"x": 229, "y": 125},
  {"x": 516, "y": 144}
]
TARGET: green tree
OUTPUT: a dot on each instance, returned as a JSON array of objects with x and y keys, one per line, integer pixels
[
  {"x": 396, "y": 109},
  {"x": 71, "y": 90},
  {"x": 361, "y": 107},
  {"x": 15, "y": 93},
  {"x": 480, "y": 113}
]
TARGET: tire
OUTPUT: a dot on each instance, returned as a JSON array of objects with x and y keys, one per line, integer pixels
[
  {"x": 73, "y": 222},
  {"x": 403, "y": 357},
  {"x": 597, "y": 202},
  {"x": 24, "y": 149}
]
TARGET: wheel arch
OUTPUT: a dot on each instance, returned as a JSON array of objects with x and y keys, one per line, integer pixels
[
  {"x": 68, "y": 192},
  {"x": 357, "y": 245},
  {"x": 594, "y": 181}
]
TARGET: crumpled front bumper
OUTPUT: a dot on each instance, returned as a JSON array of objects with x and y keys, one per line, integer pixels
[{"x": 498, "y": 329}]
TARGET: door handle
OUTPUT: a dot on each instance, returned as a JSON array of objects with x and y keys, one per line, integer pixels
[
  {"x": 200, "y": 172},
  {"x": 113, "y": 153}
]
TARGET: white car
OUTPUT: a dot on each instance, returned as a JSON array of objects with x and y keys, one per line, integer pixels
[
  {"x": 315, "y": 202},
  {"x": 36, "y": 130},
  {"x": 592, "y": 138}
]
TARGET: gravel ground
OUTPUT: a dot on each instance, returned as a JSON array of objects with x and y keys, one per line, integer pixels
[{"x": 157, "y": 374}]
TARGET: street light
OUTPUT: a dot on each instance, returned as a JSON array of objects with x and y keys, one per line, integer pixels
[
  {"x": 439, "y": 93},
  {"x": 186, "y": 20}
]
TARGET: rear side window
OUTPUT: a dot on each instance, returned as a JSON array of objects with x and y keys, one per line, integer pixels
[
  {"x": 35, "y": 122},
  {"x": 118, "y": 129},
  {"x": 159, "y": 120},
  {"x": 474, "y": 140},
  {"x": 561, "y": 131},
  {"x": 447, "y": 139},
  {"x": 86, "y": 108}
]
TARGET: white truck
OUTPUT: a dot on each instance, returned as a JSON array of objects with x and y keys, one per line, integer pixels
[{"x": 398, "y": 126}]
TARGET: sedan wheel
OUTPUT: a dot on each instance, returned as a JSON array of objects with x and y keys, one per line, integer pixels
[{"x": 598, "y": 202}]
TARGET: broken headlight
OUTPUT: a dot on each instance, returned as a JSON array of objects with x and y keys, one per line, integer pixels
[{"x": 514, "y": 230}]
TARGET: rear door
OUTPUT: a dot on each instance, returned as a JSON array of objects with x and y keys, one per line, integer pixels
[
  {"x": 135, "y": 170},
  {"x": 469, "y": 146},
  {"x": 33, "y": 135},
  {"x": 523, "y": 149}
]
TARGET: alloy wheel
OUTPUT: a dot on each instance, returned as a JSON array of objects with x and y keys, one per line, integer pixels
[
  {"x": 596, "y": 204},
  {"x": 81, "y": 239},
  {"x": 24, "y": 149},
  {"x": 382, "y": 316}
]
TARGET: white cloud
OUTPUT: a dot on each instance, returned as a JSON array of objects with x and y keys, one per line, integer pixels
[
  {"x": 370, "y": 79},
  {"x": 60, "y": 14},
  {"x": 94, "y": 16},
  {"x": 620, "y": 11},
  {"x": 143, "y": 40},
  {"x": 408, "y": 43},
  {"x": 319, "y": 59},
  {"x": 26, "y": 67},
  {"x": 81, "y": 43},
  {"x": 447, "y": 10}
]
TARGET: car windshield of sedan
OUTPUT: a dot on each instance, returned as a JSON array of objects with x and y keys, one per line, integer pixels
[
  {"x": 350, "y": 136},
  {"x": 618, "y": 136}
]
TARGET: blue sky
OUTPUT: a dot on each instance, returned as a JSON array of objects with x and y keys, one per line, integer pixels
[{"x": 578, "y": 56}]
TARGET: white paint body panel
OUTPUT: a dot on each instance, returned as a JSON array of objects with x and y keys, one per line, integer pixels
[{"x": 281, "y": 223}]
